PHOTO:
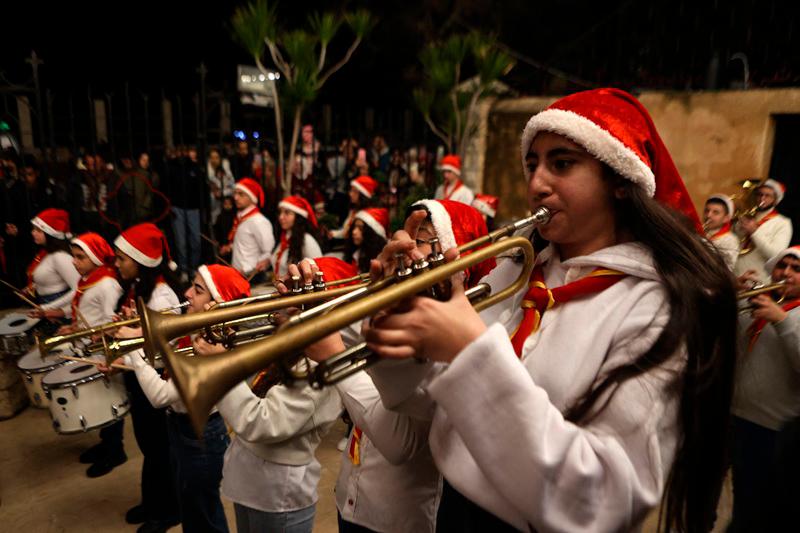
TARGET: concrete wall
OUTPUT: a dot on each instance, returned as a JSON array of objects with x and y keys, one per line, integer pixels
[{"x": 716, "y": 139}]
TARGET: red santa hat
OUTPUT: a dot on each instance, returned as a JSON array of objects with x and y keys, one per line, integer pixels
[
  {"x": 145, "y": 244},
  {"x": 456, "y": 224},
  {"x": 224, "y": 283},
  {"x": 614, "y": 127},
  {"x": 54, "y": 222},
  {"x": 252, "y": 189},
  {"x": 452, "y": 163},
  {"x": 792, "y": 251},
  {"x": 377, "y": 218},
  {"x": 486, "y": 204},
  {"x": 365, "y": 185},
  {"x": 725, "y": 199},
  {"x": 300, "y": 206},
  {"x": 778, "y": 187},
  {"x": 96, "y": 248},
  {"x": 334, "y": 269}
]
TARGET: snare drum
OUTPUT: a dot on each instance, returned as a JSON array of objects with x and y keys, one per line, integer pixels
[
  {"x": 16, "y": 333},
  {"x": 33, "y": 368},
  {"x": 82, "y": 398}
]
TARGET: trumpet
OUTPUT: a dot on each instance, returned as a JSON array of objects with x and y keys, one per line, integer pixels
[
  {"x": 46, "y": 345},
  {"x": 760, "y": 289},
  {"x": 202, "y": 381}
]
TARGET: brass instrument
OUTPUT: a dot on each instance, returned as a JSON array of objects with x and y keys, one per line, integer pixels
[
  {"x": 747, "y": 206},
  {"x": 760, "y": 289},
  {"x": 46, "y": 345},
  {"x": 202, "y": 381}
]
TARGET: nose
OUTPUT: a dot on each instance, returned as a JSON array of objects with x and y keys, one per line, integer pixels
[{"x": 539, "y": 186}]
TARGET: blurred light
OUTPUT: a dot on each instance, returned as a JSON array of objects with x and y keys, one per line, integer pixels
[
  {"x": 256, "y": 135},
  {"x": 261, "y": 77},
  {"x": 239, "y": 134}
]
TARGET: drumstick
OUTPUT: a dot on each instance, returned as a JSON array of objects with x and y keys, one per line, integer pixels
[
  {"x": 216, "y": 245},
  {"x": 22, "y": 296},
  {"x": 81, "y": 318},
  {"x": 93, "y": 362},
  {"x": 209, "y": 239}
]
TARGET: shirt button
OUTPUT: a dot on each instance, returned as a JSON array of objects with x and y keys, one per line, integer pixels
[{"x": 350, "y": 502}]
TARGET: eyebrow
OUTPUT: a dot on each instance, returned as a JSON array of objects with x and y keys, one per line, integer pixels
[
  {"x": 556, "y": 152},
  {"x": 199, "y": 287}
]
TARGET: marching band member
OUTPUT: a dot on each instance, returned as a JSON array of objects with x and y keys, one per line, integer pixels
[
  {"x": 487, "y": 205},
  {"x": 147, "y": 271},
  {"x": 362, "y": 192},
  {"x": 766, "y": 396},
  {"x": 98, "y": 290},
  {"x": 367, "y": 237},
  {"x": 717, "y": 224},
  {"x": 251, "y": 237},
  {"x": 298, "y": 226},
  {"x": 452, "y": 188},
  {"x": 196, "y": 463},
  {"x": 51, "y": 275},
  {"x": 578, "y": 403},
  {"x": 766, "y": 234}
]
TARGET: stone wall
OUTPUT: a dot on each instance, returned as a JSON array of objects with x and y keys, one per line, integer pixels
[{"x": 716, "y": 139}]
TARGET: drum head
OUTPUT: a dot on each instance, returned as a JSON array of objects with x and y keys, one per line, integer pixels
[
  {"x": 32, "y": 361},
  {"x": 71, "y": 373},
  {"x": 16, "y": 323}
]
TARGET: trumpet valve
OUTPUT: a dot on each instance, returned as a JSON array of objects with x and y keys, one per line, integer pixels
[
  {"x": 296, "y": 286},
  {"x": 319, "y": 281},
  {"x": 436, "y": 256},
  {"x": 402, "y": 271}
]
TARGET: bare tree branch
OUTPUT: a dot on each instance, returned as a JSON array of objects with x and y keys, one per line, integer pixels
[
  {"x": 322, "y": 53},
  {"x": 340, "y": 64},
  {"x": 278, "y": 125},
  {"x": 277, "y": 58},
  {"x": 436, "y": 131}
]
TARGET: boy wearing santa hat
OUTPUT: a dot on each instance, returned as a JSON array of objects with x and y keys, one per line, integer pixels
[
  {"x": 717, "y": 215},
  {"x": 251, "y": 236},
  {"x": 452, "y": 188},
  {"x": 764, "y": 235}
]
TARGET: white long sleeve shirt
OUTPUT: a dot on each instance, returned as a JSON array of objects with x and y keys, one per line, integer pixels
[
  {"x": 270, "y": 464},
  {"x": 99, "y": 302},
  {"x": 54, "y": 274},
  {"x": 462, "y": 194},
  {"x": 767, "y": 389},
  {"x": 396, "y": 485},
  {"x": 311, "y": 248},
  {"x": 772, "y": 237},
  {"x": 162, "y": 297},
  {"x": 726, "y": 245},
  {"x": 252, "y": 243},
  {"x": 498, "y": 433}
]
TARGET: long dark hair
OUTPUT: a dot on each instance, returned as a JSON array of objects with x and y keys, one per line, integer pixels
[
  {"x": 298, "y": 237},
  {"x": 703, "y": 317},
  {"x": 146, "y": 282},
  {"x": 54, "y": 244},
  {"x": 370, "y": 247}
]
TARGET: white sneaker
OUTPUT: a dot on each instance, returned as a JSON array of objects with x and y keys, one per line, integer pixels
[{"x": 342, "y": 444}]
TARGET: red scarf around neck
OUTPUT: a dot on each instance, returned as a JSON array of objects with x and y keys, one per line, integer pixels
[
  {"x": 755, "y": 329},
  {"x": 726, "y": 228},
  {"x": 91, "y": 280},
  {"x": 238, "y": 220},
  {"x": 539, "y": 299},
  {"x": 40, "y": 255},
  {"x": 281, "y": 250},
  {"x": 456, "y": 186}
]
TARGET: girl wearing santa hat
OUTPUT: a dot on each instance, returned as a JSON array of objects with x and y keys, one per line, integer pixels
[
  {"x": 298, "y": 228},
  {"x": 146, "y": 271},
  {"x": 98, "y": 291},
  {"x": 51, "y": 275},
  {"x": 367, "y": 237},
  {"x": 363, "y": 193},
  {"x": 196, "y": 463},
  {"x": 601, "y": 389}
]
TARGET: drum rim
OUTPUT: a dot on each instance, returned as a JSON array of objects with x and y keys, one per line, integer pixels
[
  {"x": 98, "y": 426},
  {"x": 39, "y": 369},
  {"x": 16, "y": 316},
  {"x": 75, "y": 382}
]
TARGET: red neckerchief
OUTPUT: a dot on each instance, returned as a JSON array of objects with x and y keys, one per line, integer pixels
[
  {"x": 539, "y": 298},
  {"x": 755, "y": 329},
  {"x": 769, "y": 216},
  {"x": 239, "y": 219},
  {"x": 726, "y": 228},
  {"x": 354, "y": 450},
  {"x": 92, "y": 279},
  {"x": 40, "y": 255},
  {"x": 281, "y": 250},
  {"x": 457, "y": 186}
]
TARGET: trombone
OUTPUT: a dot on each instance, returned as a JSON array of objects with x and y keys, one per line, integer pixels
[{"x": 202, "y": 381}]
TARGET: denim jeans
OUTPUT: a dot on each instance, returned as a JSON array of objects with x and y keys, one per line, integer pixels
[
  {"x": 250, "y": 520},
  {"x": 186, "y": 232},
  {"x": 197, "y": 470}
]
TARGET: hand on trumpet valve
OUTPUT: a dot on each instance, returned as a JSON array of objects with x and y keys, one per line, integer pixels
[
  {"x": 747, "y": 281},
  {"x": 424, "y": 327},
  {"x": 202, "y": 347},
  {"x": 764, "y": 307},
  {"x": 403, "y": 243}
]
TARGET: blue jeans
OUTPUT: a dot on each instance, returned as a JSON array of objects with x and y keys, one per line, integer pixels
[
  {"x": 250, "y": 520},
  {"x": 197, "y": 469},
  {"x": 186, "y": 231}
]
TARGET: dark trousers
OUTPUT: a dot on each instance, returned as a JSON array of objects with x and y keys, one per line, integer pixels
[
  {"x": 349, "y": 527},
  {"x": 197, "y": 471},
  {"x": 753, "y": 464},
  {"x": 111, "y": 437},
  {"x": 457, "y": 513},
  {"x": 150, "y": 429}
]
